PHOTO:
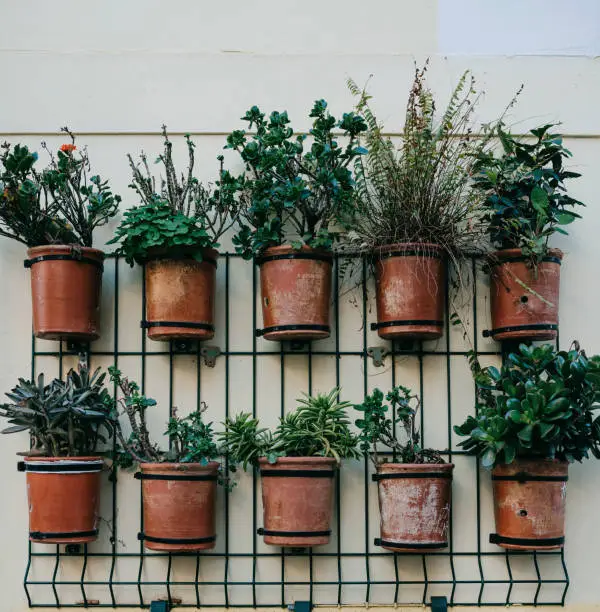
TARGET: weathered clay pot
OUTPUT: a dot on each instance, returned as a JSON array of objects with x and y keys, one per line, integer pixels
[
  {"x": 296, "y": 503},
  {"x": 295, "y": 290},
  {"x": 529, "y": 504},
  {"x": 66, "y": 283},
  {"x": 411, "y": 285},
  {"x": 63, "y": 496},
  {"x": 180, "y": 296},
  {"x": 179, "y": 505},
  {"x": 524, "y": 300},
  {"x": 414, "y": 504}
]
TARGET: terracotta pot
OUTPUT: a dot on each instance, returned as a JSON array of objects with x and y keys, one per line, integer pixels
[
  {"x": 66, "y": 283},
  {"x": 180, "y": 297},
  {"x": 297, "y": 505},
  {"x": 295, "y": 288},
  {"x": 179, "y": 505},
  {"x": 530, "y": 513},
  {"x": 414, "y": 504},
  {"x": 524, "y": 300},
  {"x": 63, "y": 496},
  {"x": 411, "y": 287}
]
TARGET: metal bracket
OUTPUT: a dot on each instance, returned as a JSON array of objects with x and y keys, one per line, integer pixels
[
  {"x": 439, "y": 604},
  {"x": 377, "y": 354},
  {"x": 404, "y": 345},
  {"x": 298, "y": 346},
  {"x": 184, "y": 346},
  {"x": 301, "y": 606},
  {"x": 210, "y": 354},
  {"x": 73, "y": 549},
  {"x": 160, "y": 606}
]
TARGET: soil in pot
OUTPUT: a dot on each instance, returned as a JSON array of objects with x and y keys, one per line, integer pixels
[
  {"x": 414, "y": 504},
  {"x": 410, "y": 289},
  {"x": 180, "y": 296},
  {"x": 179, "y": 505},
  {"x": 295, "y": 290},
  {"x": 297, "y": 495},
  {"x": 66, "y": 284},
  {"x": 524, "y": 300},
  {"x": 63, "y": 496},
  {"x": 529, "y": 504}
]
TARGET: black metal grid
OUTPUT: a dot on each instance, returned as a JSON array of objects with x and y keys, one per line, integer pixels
[{"x": 509, "y": 572}]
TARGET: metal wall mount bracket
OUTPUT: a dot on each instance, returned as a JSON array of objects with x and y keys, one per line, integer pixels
[
  {"x": 301, "y": 606},
  {"x": 160, "y": 606},
  {"x": 210, "y": 354},
  {"x": 439, "y": 604},
  {"x": 377, "y": 354}
]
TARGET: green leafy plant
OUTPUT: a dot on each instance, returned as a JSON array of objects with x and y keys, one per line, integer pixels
[
  {"x": 192, "y": 440},
  {"x": 62, "y": 204},
  {"x": 319, "y": 427},
  {"x": 179, "y": 217},
  {"x": 378, "y": 427},
  {"x": 541, "y": 403},
  {"x": 64, "y": 418},
  {"x": 418, "y": 190},
  {"x": 525, "y": 194},
  {"x": 289, "y": 194}
]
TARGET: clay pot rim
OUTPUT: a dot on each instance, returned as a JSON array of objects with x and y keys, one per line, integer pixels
[
  {"x": 159, "y": 253},
  {"x": 82, "y": 459},
  {"x": 288, "y": 248},
  {"x": 303, "y": 461},
  {"x": 521, "y": 462},
  {"x": 157, "y": 466},
  {"x": 49, "y": 249},
  {"x": 416, "y": 467},
  {"x": 407, "y": 246},
  {"x": 503, "y": 254}
]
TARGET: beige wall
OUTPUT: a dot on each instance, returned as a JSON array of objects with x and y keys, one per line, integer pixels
[{"x": 115, "y": 71}]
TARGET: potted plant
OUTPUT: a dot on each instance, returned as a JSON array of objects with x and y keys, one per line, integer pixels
[
  {"x": 526, "y": 203},
  {"x": 295, "y": 202},
  {"x": 415, "y": 486},
  {"x": 179, "y": 486},
  {"x": 174, "y": 234},
  {"x": 415, "y": 208},
  {"x": 54, "y": 212},
  {"x": 66, "y": 421},
  {"x": 533, "y": 417},
  {"x": 297, "y": 463}
]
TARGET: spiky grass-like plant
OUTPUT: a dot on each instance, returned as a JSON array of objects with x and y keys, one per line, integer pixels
[{"x": 419, "y": 190}]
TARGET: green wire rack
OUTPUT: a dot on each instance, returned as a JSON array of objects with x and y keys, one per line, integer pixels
[{"x": 499, "y": 577}]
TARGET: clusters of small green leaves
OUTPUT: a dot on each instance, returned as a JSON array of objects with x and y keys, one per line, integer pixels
[
  {"x": 180, "y": 216},
  {"x": 192, "y": 440},
  {"x": 541, "y": 403},
  {"x": 419, "y": 189},
  {"x": 376, "y": 427},
  {"x": 289, "y": 194},
  {"x": 62, "y": 204},
  {"x": 64, "y": 418},
  {"x": 319, "y": 427},
  {"x": 525, "y": 192}
]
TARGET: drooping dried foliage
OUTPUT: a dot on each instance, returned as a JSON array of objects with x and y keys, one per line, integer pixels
[{"x": 419, "y": 190}]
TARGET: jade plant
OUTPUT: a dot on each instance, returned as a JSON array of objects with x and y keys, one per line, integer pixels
[
  {"x": 178, "y": 215},
  {"x": 191, "y": 439},
  {"x": 542, "y": 402},
  {"x": 378, "y": 438},
  {"x": 65, "y": 418},
  {"x": 292, "y": 193},
  {"x": 525, "y": 192},
  {"x": 63, "y": 203},
  {"x": 319, "y": 427}
]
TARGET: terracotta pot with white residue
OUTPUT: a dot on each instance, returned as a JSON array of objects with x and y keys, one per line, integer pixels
[
  {"x": 410, "y": 289},
  {"x": 414, "y": 502},
  {"x": 529, "y": 504},
  {"x": 295, "y": 288}
]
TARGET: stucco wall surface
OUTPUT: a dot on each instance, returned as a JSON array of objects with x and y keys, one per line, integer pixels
[{"x": 115, "y": 71}]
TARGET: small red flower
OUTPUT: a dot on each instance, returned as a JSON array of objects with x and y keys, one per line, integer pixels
[{"x": 68, "y": 148}]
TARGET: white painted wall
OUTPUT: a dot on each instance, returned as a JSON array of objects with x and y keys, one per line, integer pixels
[{"x": 115, "y": 71}]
